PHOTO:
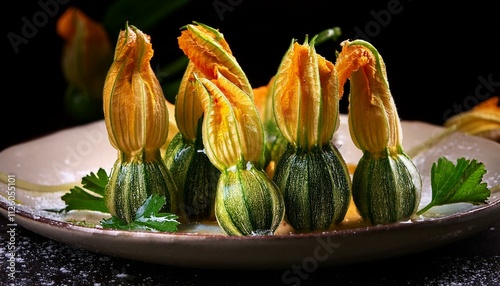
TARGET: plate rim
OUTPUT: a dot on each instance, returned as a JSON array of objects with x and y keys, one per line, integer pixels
[{"x": 341, "y": 231}]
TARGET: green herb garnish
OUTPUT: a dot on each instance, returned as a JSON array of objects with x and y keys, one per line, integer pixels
[
  {"x": 91, "y": 197},
  {"x": 460, "y": 183},
  {"x": 147, "y": 218}
]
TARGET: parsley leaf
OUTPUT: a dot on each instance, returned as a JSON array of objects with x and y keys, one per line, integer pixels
[
  {"x": 457, "y": 183},
  {"x": 90, "y": 197},
  {"x": 147, "y": 218}
]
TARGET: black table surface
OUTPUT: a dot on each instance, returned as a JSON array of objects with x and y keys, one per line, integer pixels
[{"x": 474, "y": 260}]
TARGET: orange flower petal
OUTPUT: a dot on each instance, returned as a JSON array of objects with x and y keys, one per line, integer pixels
[
  {"x": 209, "y": 51},
  {"x": 172, "y": 125},
  {"x": 135, "y": 109},
  {"x": 306, "y": 96},
  {"x": 491, "y": 104},
  {"x": 232, "y": 132},
  {"x": 188, "y": 109},
  {"x": 373, "y": 118},
  {"x": 220, "y": 132},
  {"x": 260, "y": 99}
]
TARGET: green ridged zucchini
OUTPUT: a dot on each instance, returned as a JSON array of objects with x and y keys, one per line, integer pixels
[
  {"x": 316, "y": 186},
  {"x": 132, "y": 182},
  {"x": 386, "y": 189},
  {"x": 247, "y": 202},
  {"x": 195, "y": 176}
]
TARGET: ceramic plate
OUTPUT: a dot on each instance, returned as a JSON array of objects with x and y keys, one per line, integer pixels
[{"x": 66, "y": 156}]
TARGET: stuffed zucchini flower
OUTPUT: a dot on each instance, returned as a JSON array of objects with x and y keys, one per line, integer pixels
[
  {"x": 247, "y": 201},
  {"x": 195, "y": 176},
  {"x": 386, "y": 184},
  {"x": 311, "y": 172},
  {"x": 137, "y": 121}
]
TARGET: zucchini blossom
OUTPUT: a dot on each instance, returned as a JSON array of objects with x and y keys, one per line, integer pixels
[
  {"x": 86, "y": 57},
  {"x": 195, "y": 176},
  {"x": 247, "y": 201},
  {"x": 137, "y": 122},
  {"x": 386, "y": 183},
  {"x": 311, "y": 172}
]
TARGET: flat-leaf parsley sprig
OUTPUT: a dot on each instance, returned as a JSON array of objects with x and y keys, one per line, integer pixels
[
  {"x": 148, "y": 217},
  {"x": 460, "y": 183},
  {"x": 90, "y": 197}
]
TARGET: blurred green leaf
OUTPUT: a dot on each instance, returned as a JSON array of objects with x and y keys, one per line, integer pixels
[{"x": 142, "y": 14}]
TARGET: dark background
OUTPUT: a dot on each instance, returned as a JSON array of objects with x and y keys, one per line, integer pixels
[{"x": 438, "y": 57}]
